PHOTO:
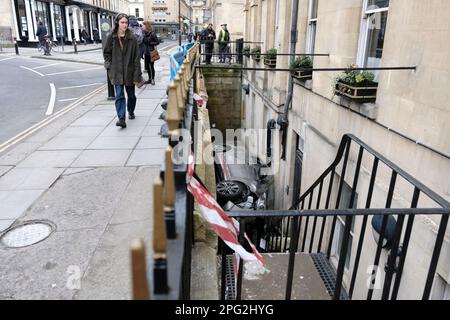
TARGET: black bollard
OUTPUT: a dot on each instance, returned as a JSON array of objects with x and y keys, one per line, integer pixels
[
  {"x": 111, "y": 95},
  {"x": 75, "y": 46},
  {"x": 16, "y": 46}
]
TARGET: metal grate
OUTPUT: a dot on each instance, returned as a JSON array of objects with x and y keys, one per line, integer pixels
[
  {"x": 327, "y": 274},
  {"x": 230, "y": 279}
]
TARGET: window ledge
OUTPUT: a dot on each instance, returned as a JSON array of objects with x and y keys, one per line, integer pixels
[
  {"x": 307, "y": 84},
  {"x": 369, "y": 110}
]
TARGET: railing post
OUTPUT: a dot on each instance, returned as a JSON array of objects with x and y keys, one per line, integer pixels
[
  {"x": 169, "y": 195},
  {"x": 159, "y": 240},
  {"x": 179, "y": 92},
  {"x": 223, "y": 278},
  {"x": 186, "y": 71},
  {"x": 173, "y": 113},
  {"x": 241, "y": 261},
  {"x": 183, "y": 83},
  {"x": 139, "y": 271}
]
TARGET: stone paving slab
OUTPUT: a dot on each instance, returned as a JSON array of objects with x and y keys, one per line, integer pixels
[
  {"x": 108, "y": 275},
  {"x": 114, "y": 143},
  {"x": 14, "y": 156},
  {"x": 5, "y": 169},
  {"x": 74, "y": 132},
  {"x": 5, "y": 224},
  {"x": 156, "y": 122},
  {"x": 49, "y": 269},
  {"x": 143, "y": 112},
  {"x": 93, "y": 121},
  {"x": 152, "y": 143},
  {"x": 146, "y": 157},
  {"x": 29, "y": 178},
  {"x": 151, "y": 131},
  {"x": 130, "y": 131},
  {"x": 63, "y": 143},
  {"x": 102, "y": 158},
  {"x": 86, "y": 199},
  {"x": 14, "y": 203},
  {"x": 50, "y": 159},
  {"x": 140, "y": 120}
]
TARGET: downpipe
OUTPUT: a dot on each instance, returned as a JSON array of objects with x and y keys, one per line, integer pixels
[{"x": 283, "y": 120}]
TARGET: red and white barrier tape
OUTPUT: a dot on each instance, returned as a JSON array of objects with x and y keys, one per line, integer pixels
[{"x": 225, "y": 227}]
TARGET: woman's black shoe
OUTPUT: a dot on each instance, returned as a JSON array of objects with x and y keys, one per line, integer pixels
[
  {"x": 153, "y": 82},
  {"x": 131, "y": 116}
]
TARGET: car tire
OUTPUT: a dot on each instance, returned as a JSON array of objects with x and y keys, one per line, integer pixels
[{"x": 229, "y": 190}]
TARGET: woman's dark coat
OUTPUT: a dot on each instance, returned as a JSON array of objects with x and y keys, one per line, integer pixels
[
  {"x": 123, "y": 65},
  {"x": 150, "y": 41}
]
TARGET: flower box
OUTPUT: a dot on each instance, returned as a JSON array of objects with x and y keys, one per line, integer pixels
[
  {"x": 302, "y": 75},
  {"x": 256, "y": 57},
  {"x": 358, "y": 92},
  {"x": 272, "y": 63}
]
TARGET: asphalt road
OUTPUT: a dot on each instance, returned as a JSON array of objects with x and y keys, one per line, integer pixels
[
  {"x": 26, "y": 87},
  {"x": 34, "y": 89}
]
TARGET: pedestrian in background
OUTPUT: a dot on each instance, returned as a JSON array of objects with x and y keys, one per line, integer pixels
[
  {"x": 190, "y": 37},
  {"x": 41, "y": 33},
  {"x": 209, "y": 36},
  {"x": 150, "y": 42},
  {"x": 136, "y": 28},
  {"x": 96, "y": 36},
  {"x": 224, "y": 40},
  {"x": 123, "y": 62},
  {"x": 84, "y": 36}
]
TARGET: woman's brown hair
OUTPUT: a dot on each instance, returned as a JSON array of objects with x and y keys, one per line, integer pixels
[{"x": 148, "y": 26}]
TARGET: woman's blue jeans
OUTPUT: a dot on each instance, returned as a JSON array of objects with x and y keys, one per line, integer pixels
[{"x": 121, "y": 102}]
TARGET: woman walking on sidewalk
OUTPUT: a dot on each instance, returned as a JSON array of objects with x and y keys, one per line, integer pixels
[
  {"x": 123, "y": 63},
  {"x": 150, "y": 42}
]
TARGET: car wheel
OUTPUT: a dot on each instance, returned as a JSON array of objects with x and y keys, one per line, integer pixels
[{"x": 230, "y": 191}]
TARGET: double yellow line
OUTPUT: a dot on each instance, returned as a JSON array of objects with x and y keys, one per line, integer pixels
[{"x": 26, "y": 133}]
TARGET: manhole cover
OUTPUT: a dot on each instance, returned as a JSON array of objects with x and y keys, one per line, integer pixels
[{"x": 26, "y": 234}]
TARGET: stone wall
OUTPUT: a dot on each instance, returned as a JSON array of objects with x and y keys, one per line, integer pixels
[
  {"x": 411, "y": 107},
  {"x": 224, "y": 102}
]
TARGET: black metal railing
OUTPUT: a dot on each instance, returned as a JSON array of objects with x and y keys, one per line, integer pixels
[
  {"x": 310, "y": 225},
  {"x": 222, "y": 52},
  {"x": 168, "y": 273}
]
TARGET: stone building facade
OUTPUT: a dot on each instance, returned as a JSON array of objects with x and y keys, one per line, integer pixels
[
  {"x": 408, "y": 122},
  {"x": 64, "y": 19}
]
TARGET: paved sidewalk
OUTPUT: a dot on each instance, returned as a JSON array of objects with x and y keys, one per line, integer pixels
[{"x": 93, "y": 181}]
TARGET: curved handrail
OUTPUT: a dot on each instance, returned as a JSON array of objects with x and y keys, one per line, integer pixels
[{"x": 346, "y": 139}]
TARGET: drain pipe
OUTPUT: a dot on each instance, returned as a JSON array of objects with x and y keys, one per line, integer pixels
[
  {"x": 282, "y": 120},
  {"x": 271, "y": 124}
]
